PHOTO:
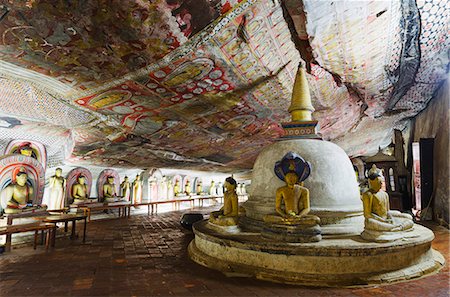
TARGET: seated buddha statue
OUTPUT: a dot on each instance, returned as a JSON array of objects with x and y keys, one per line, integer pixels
[
  {"x": 294, "y": 196},
  {"x": 381, "y": 223},
  {"x": 228, "y": 214},
  {"x": 80, "y": 190},
  {"x": 109, "y": 189},
  {"x": 18, "y": 195},
  {"x": 187, "y": 188},
  {"x": 292, "y": 221}
]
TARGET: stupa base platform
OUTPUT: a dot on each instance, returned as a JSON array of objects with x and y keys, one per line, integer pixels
[{"x": 335, "y": 261}]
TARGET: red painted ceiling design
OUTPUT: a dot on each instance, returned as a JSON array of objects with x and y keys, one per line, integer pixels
[{"x": 204, "y": 84}]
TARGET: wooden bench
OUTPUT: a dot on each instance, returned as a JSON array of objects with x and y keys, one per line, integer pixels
[
  {"x": 125, "y": 206},
  {"x": 153, "y": 205},
  {"x": 203, "y": 198},
  {"x": 36, "y": 227}
]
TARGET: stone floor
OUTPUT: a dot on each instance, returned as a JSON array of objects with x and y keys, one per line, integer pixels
[{"x": 146, "y": 256}]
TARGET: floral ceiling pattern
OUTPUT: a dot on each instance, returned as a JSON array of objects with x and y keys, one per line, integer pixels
[{"x": 205, "y": 84}]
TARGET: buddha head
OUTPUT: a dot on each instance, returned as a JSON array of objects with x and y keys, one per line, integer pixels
[
  {"x": 58, "y": 172},
  {"x": 26, "y": 150},
  {"x": 110, "y": 180},
  {"x": 375, "y": 178},
  {"x": 81, "y": 179},
  {"x": 21, "y": 178},
  {"x": 230, "y": 184},
  {"x": 138, "y": 177},
  {"x": 125, "y": 179},
  {"x": 291, "y": 178}
]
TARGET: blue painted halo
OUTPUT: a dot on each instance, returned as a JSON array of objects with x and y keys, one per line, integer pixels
[{"x": 291, "y": 162}]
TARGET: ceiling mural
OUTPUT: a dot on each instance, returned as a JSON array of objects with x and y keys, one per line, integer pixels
[{"x": 205, "y": 84}]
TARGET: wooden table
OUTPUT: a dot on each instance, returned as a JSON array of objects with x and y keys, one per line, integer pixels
[
  {"x": 36, "y": 227},
  {"x": 120, "y": 205},
  {"x": 66, "y": 218},
  {"x": 201, "y": 199}
]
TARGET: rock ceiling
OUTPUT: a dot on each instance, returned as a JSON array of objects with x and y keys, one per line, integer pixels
[{"x": 204, "y": 84}]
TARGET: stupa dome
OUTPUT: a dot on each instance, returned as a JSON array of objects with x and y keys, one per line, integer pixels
[{"x": 332, "y": 184}]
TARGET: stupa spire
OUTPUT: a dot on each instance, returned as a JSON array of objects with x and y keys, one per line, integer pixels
[
  {"x": 301, "y": 107},
  {"x": 301, "y": 125}
]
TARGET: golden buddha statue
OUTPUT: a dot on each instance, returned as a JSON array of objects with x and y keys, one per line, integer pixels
[
  {"x": 199, "y": 188},
  {"x": 18, "y": 195},
  {"x": 137, "y": 189},
  {"x": 80, "y": 190},
  {"x": 125, "y": 188},
  {"x": 187, "y": 188},
  {"x": 292, "y": 169},
  {"x": 176, "y": 188},
  {"x": 380, "y": 222},
  {"x": 57, "y": 190},
  {"x": 109, "y": 189},
  {"x": 228, "y": 214}
]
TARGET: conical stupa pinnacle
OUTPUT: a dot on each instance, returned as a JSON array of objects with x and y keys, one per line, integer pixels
[{"x": 301, "y": 107}]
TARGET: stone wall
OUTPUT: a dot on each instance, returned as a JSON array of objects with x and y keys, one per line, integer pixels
[{"x": 433, "y": 122}]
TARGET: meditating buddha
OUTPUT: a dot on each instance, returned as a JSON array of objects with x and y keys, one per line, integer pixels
[
  {"x": 292, "y": 169},
  {"x": 228, "y": 214},
  {"x": 80, "y": 190},
  {"x": 381, "y": 223},
  {"x": 18, "y": 195},
  {"x": 109, "y": 189}
]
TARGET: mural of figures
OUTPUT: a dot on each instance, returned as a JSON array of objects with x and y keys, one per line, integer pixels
[
  {"x": 170, "y": 192},
  {"x": 154, "y": 189},
  {"x": 125, "y": 189},
  {"x": 137, "y": 190},
  {"x": 219, "y": 189},
  {"x": 57, "y": 198},
  {"x": 78, "y": 185},
  {"x": 28, "y": 148},
  {"x": 108, "y": 184},
  {"x": 21, "y": 183},
  {"x": 163, "y": 189}
]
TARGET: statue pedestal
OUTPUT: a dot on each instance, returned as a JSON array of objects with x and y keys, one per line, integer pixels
[
  {"x": 386, "y": 236},
  {"x": 292, "y": 233},
  {"x": 335, "y": 261},
  {"x": 224, "y": 229}
]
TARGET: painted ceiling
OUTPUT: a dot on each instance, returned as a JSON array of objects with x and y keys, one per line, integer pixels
[{"x": 205, "y": 84}]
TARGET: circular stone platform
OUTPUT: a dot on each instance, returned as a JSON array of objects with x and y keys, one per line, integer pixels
[{"x": 334, "y": 261}]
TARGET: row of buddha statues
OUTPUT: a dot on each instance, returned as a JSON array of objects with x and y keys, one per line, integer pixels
[
  {"x": 166, "y": 189},
  {"x": 291, "y": 220}
]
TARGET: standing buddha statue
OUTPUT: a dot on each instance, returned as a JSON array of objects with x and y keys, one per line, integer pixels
[
  {"x": 125, "y": 188},
  {"x": 57, "y": 197}
]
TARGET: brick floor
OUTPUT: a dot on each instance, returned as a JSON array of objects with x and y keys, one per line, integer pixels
[{"x": 146, "y": 256}]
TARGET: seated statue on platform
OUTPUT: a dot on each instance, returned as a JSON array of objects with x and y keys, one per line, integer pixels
[
  {"x": 228, "y": 214},
  {"x": 79, "y": 190},
  {"x": 109, "y": 189},
  {"x": 187, "y": 188},
  {"x": 19, "y": 195},
  {"x": 293, "y": 223},
  {"x": 293, "y": 196},
  {"x": 381, "y": 223}
]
